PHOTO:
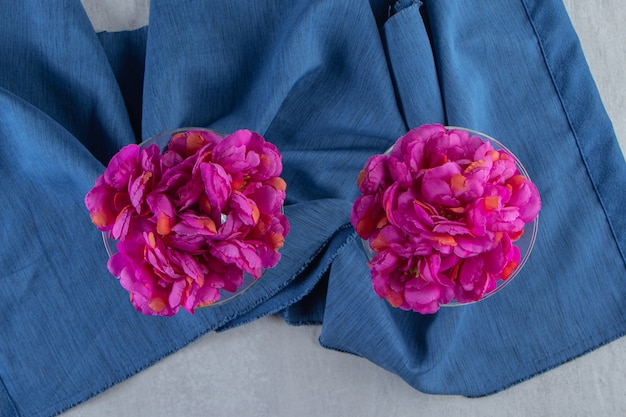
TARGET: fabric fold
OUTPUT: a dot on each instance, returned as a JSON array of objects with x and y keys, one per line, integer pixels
[
  {"x": 510, "y": 93},
  {"x": 605, "y": 168},
  {"x": 63, "y": 71},
  {"x": 415, "y": 81},
  {"x": 7, "y": 408}
]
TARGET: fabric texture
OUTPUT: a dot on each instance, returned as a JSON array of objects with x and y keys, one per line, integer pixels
[{"x": 329, "y": 83}]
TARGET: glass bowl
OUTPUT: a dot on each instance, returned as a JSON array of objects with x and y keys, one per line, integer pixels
[
  {"x": 525, "y": 243},
  {"x": 110, "y": 244}
]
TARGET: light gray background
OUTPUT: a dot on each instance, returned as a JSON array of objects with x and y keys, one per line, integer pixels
[{"x": 267, "y": 368}]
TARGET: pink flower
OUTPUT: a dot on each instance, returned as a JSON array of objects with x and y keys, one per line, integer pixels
[
  {"x": 441, "y": 212},
  {"x": 397, "y": 279},
  {"x": 192, "y": 220},
  {"x": 109, "y": 201}
]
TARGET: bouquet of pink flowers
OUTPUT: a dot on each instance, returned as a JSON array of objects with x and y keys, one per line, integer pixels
[
  {"x": 193, "y": 219},
  {"x": 441, "y": 213}
]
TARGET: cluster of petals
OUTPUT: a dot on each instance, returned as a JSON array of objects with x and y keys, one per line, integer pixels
[
  {"x": 191, "y": 220},
  {"x": 441, "y": 212}
]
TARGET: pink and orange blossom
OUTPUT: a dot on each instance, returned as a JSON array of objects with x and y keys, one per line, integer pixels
[
  {"x": 192, "y": 220},
  {"x": 441, "y": 212}
]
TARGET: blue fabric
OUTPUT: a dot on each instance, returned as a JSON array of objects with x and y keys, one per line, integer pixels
[{"x": 330, "y": 83}]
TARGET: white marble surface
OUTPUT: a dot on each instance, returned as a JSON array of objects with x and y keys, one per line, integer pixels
[{"x": 267, "y": 368}]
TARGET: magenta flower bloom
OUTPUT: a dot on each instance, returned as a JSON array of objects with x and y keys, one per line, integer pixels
[
  {"x": 441, "y": 213},
  {"x": 191, "y": 221}
]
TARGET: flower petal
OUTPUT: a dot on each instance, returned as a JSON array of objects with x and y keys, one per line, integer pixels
[
  {"x": 217, "y": 184},
  {"x": 122, "y": 167},
  {"x": 374, "y": 175},
  {"x": 99, "y": 203}
]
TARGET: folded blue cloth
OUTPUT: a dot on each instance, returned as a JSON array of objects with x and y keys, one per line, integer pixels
[{"x": 330, "y": 83}]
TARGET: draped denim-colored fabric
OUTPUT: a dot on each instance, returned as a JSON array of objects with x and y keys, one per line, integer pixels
[{"x": 330, "y": 83}]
